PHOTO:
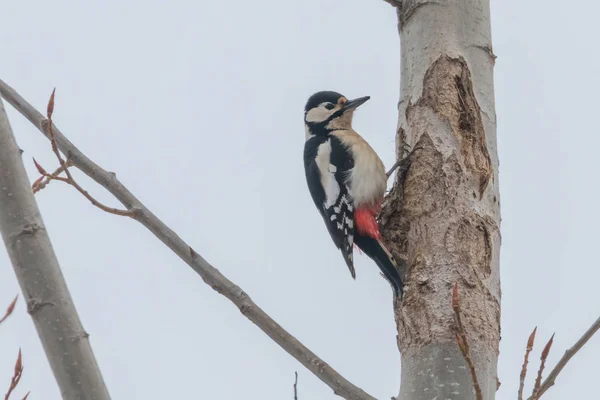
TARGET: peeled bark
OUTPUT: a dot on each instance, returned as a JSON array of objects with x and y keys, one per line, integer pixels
[
  {"x": 48, "y": 300},
  {"x": 443, "y": 214}
]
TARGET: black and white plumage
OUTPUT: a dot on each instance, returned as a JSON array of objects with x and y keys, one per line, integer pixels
[
  {"x": 346, "y": 180},
  {"x": 327, "y": 163}
]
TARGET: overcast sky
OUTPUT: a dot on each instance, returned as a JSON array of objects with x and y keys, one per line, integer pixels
[{"x": 198, "y": 108}]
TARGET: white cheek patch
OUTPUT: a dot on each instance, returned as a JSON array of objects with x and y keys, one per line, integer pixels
[{"x": 318, "y": 114}]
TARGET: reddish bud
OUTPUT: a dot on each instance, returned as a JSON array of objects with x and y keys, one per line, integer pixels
[
  {"x": 546, "y": 350},
  {"x": 50, "y": 108},
  {"x": 40, "y": 169},
  {"x": 531, "y": 339},
  {"x": 19, "y": 364},
  {"x": 36, "y": 184},
  {"x": 455, "y": 299},
  {"x": 10, "y": 309}
]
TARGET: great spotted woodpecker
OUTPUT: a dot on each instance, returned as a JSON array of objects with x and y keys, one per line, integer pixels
[{"x": 347, "y": 181}]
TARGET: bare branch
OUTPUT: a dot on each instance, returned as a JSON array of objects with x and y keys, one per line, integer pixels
[
  {"x": 463, "y": 343},
  {"x": 296, "y": 386},
  {"x": 110, "y": 210},
  {"x": 551, "y": 378},
  {"x": 10, "y": 309},
  {"x": 340, "y": 385},
  {"x": 530, "y": 342}
]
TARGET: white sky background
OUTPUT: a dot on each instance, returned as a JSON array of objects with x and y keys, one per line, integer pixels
[{"x": 198, "y": 108}]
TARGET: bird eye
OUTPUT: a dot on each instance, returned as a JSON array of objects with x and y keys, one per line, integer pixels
[{"x": 329, "y": 106}]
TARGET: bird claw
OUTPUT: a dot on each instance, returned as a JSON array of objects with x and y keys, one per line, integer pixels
[
  {"x": 405, "y": 149},
  {"x": 404, "y": 160}
]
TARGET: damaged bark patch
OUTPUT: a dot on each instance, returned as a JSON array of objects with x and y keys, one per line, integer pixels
[
  {"x": 417, "y": 327},
  {"x": 416, "y": 195},
  {"x": 448, "y": 90},
  {"x": 400, "y": 142},
  {"x": 469, "y": 241},
  {"x": 423, "y": 187}
]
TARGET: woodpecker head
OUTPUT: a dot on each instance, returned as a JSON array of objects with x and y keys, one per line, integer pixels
[{"x": 327, "y": 111}]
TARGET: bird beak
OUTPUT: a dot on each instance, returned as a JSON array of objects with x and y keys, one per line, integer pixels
[{"x": 353, "y": 104}]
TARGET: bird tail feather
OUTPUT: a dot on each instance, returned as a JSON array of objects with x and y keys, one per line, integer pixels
[{"x": 377, "y": 251}]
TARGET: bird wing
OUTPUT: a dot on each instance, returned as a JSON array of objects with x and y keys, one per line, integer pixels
[{"x": 328, "y": 170}]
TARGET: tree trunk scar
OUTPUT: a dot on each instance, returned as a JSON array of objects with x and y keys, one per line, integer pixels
[
  {"x": 466, "y": 240},
  {"x": 34, "y": 305},
  {"x": 448, "y": 90},
  {"x": 27, "y": 230}
]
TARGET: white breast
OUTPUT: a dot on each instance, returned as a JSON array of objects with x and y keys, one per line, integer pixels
[{"x": 367, "y": 180}]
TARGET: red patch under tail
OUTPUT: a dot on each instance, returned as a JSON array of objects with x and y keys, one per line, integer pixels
[{"x": 366, "y": 224}]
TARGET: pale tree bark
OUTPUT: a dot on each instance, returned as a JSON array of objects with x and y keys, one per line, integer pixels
[
  {"x": 48, "y": 300},
  {"x": 443, "y": 214}
]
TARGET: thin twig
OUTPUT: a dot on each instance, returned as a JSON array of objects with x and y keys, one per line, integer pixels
[
  {"x": 538, "y": 381},
  {"x": 14, "y": 381},
  {"x": 213, "y": 277},
  {"x": 10, "y": 309},
  {"x": 296, "y": 386},
  {"x": 551, "y": 378},
  {"x": 49, "y": 112},
  {"x": 41, "y": 183},
  {"x": 48, "y": 127},
  {"x": 530, "y": 342},
  {"x": 72, "y": 182},
  {"x": 463, "y": 343}
]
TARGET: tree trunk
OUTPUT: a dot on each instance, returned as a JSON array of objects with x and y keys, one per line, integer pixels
[
  {"x": 443, "y": 214},
  {"x": 48, "y": 300}
]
